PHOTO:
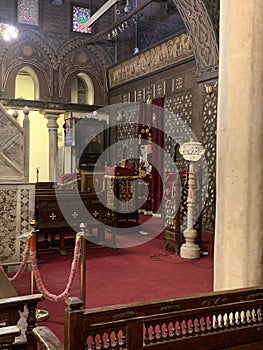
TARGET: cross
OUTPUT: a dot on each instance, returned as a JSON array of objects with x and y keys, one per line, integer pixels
[
  {"x": 95, "y": 213},
  {"x": 75, "y": 215},
  {"x": 53, "y": 216}
]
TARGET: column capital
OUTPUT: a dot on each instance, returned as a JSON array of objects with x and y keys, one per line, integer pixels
[
  {"x": 26, "y": 111},
  {"x": 52, "y": 120}
]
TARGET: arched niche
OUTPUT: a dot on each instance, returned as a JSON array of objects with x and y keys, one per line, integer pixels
[
  {"x": 82, "y": 89},
  {"x": 27, "y": 84}
]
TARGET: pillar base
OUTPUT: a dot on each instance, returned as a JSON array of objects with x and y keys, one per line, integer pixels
[
  {"x": 190, "y": 252},
  {"x": 189, "y": 249}
]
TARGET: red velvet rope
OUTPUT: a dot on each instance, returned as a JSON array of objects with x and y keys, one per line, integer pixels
[
  {"x": 22, "y": 264},
  {"x": 74, "y": 267}
]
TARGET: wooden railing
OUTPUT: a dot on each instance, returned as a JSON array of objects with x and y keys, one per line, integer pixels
[
  {"x": 14, "y": 147},
  {"x": 217, "y": 320},
  {"x": 18, "y": 313}
]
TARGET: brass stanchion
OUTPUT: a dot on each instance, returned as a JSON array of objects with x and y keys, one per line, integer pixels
[
  {"x": 41, "y": 315},
  {"x": 83, "y": 264},
  {"x": 33, "y": 247}
]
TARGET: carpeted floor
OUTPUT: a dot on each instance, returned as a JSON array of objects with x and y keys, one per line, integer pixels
[{"x": 123, "y": 275}]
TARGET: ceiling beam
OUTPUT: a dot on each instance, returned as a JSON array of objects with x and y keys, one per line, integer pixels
[{"x": 104, "y": 8}]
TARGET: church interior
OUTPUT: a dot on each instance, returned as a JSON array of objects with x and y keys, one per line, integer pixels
[{"x": 131, "y": 129}]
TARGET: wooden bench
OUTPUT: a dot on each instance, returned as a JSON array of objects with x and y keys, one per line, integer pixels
[
  {"x": 61, "y": 212},
  {"x": 217, "y": 320},
  {"x": 18, "y": 314},
  {"x": 10, "y": 309},
  {"x": 8, "y": 335}
]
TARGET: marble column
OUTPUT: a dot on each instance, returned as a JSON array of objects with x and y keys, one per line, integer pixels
[
  {"x": 52, "y": 126},
  {"x": 239, "y": 205}
]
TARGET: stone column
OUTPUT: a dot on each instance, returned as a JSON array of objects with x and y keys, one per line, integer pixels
[
  {"x": 239, "y": 206},
  {"x": 53, "y": 144},
  {"x": 26, "y": 127}
]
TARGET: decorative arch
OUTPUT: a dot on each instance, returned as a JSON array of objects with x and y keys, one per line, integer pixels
[
  {"x": 202, "y": 32},
  {"x": 34, "y": 77},
  {"x": 91, "y": 65},
  {"x": 31, "y": 52},
  {"x": 42, "y": 81}
]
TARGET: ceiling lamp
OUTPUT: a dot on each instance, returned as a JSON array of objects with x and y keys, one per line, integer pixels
[{"x": 8, "y": 31}]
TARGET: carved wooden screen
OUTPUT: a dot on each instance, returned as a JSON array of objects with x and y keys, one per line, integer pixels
[{"x": 12, "y": 152}]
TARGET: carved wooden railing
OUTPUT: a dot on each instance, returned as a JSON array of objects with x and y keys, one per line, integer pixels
[
  {"x": 18, "y": 315},
  {"x": 14, "y": 147},
  {"x": 216, "y": 320}
]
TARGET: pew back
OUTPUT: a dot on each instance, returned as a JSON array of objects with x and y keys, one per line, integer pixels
[
  {"x": 26, "y": 307},
  {"x": 218, "y": 320}
]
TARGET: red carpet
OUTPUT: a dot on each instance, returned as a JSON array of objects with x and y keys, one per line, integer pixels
[{"x": 123, "y": 275}]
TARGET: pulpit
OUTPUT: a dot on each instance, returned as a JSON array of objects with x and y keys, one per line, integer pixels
[
  {"x": 122, "y": 196},
  {"x": 121, "y": 192}
]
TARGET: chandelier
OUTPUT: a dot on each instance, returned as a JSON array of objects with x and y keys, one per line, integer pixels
[{"x": 8, "y": 31}]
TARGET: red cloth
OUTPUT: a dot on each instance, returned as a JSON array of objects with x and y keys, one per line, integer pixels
[
  {"x": 152, "y": 115},
  {"x": 120, "y": 171}
]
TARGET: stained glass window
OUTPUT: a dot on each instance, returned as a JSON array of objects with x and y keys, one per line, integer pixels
[
  {"x": 80, "y": 16},
  {"x": 28, "y": 12}
]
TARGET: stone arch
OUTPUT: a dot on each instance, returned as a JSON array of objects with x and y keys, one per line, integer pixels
[
  {"x": 30, "y": 71},
  {"x": 33, "y": 57},
  {"x": 91, "y": 64}
]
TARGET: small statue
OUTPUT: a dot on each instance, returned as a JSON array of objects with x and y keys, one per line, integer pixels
[{"x": 145, "y": 167}]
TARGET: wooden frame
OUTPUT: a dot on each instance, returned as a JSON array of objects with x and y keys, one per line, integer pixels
[{"x": 91, "y": 141}]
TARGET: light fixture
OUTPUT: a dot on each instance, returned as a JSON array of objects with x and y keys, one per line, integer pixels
[
  {"x": 8, "y": 31},
  {"x": 120, "y": 28}
]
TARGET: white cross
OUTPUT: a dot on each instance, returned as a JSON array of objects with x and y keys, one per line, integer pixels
[
  {"x": 75, "y": 215},
  {"x": 53, "y": 216},
  {"x": 95, "y": 213}
]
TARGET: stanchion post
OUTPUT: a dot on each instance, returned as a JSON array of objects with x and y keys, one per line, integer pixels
[
  {"x": 83, "y": 265},
  {"x": 33, "y": 224},
  {"x": 41, "y": 315}
]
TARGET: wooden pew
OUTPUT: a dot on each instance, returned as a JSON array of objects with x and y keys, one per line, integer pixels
[
  {"x": 218, "y": 320},
  {"x": 8, "y": 335},
  {"x": 51, "y": 220},
  {"x": 12, "y": 308},
  {"x": 14, "y": 305}
]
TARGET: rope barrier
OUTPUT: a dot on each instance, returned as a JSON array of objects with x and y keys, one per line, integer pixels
[
  {"x": 30, "y": 248},
  {"x": 22, "y": 264},
  {"x": 72, "y": 275}
]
